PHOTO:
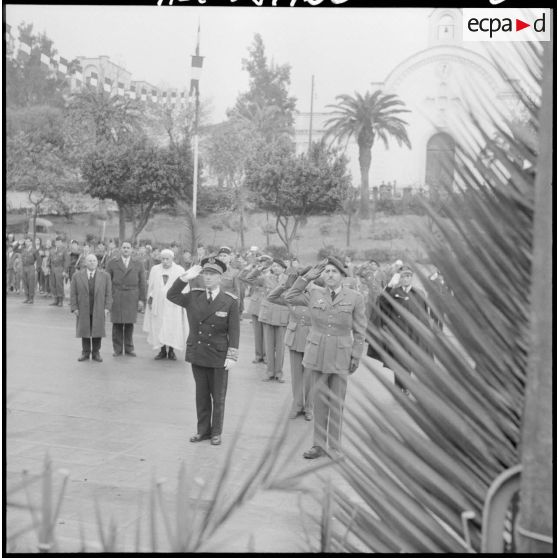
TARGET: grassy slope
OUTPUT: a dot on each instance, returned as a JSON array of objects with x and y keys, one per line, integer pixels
[{"x": 383, "y": 233}]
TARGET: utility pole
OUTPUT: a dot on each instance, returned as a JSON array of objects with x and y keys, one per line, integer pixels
[{"x": 311, "y": 115}]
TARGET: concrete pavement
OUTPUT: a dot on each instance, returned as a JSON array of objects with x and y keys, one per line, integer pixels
[{"x": 116, "y": 424}]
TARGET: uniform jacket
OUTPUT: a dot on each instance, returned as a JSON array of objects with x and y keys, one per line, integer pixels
[
  {"x": 269, "y": 313},
  {"x": 79, "y": 300},
  {"x": 338, "y": 328},
  {"x": 230, "y": 282},
  {"x": 256, "y": 292},
  {"x": 214, "y": 328},
  {"x": 128, "y": 287},
  {"x": 298, "y": 326},
  {"x": 391, "y": 303},
  {"x": 29, "y": 257},
  {"x": 59, "y": 259}
]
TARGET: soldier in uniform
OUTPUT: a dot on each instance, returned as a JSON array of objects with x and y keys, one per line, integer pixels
[
  {"x": 128, "y": 293},
  {"x": 76, "y": 255},
  {"x": 274, "y": 317},
  {"x": 212, "y": 345},
  {"x": 59, "y": 265},
  {"x": 295, "y": 339},
  {"x": 392, "y": 303},
  {"x": 333, "y": 347},
  {"x": 255, "y": 296},
  {"x": 374, "y": 279},
  {"x": 29, "y": 258},
  {"x": 229, "y": 280}
]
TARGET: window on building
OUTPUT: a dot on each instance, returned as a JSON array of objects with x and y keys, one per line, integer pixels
[{"x": 446, "y": 28}]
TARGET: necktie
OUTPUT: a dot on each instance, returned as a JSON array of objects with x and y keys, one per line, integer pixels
[
  {"x": 209, "y": 297},
  {"x": 332, "y": 296},
  {"x": 90, "y": 276}
]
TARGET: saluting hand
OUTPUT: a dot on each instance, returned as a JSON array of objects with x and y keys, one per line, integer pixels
[
  {"x": 315, "y": 272},
  {"x": 192, "y": 273}
]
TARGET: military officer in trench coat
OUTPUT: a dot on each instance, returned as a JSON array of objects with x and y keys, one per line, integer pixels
[
  {"x": 212, "y": 345},
  {"x": 90, "y": 301},
  {"x": 333, "y": 348},
  {"x": 129, "y": 293}
]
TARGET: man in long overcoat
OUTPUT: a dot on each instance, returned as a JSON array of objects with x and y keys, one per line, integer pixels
[
  {"x": 129, "y": 292},
  {"x": 212, "y": 345},
  {"x": 90, "y": 301},
  {"x": 333, "y": 347}
]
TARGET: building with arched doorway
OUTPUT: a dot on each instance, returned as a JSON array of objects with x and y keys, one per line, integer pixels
[{"x": 437, "y": 84}]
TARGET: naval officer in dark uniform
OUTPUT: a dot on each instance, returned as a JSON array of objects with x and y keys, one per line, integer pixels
[{"x": 212, "y": 345}]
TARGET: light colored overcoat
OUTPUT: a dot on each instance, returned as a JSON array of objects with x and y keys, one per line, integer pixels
[{"x": 79, "y": 300}]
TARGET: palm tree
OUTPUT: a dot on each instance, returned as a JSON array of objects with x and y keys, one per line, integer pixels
[{"x": 374, "y": 115}]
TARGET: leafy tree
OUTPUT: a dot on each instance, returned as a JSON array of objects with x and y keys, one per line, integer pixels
[
  {"x": 293, "y": 187},
  {"x": 36, "y": 160},
  {"x": 267, "y": 103},
  {"x": 230, "y": 146},
  {"x": 366, "y": 118},
  {"x": 139, "y": 176},
  {"x": 28, "y": 81}
]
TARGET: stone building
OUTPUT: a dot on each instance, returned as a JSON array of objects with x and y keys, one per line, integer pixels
[{"x": 436, "y": 84}]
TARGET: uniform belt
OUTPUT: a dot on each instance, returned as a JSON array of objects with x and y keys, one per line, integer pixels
[{"x": 125, "y": 288}]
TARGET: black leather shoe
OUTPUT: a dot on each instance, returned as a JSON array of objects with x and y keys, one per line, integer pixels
[
  {"x": 171, "y": 355},
  {"x": 257, "y": 360},
  {"x": 199, "y": 438},
  {"x": 30, "y": 301},
  {"x": 314, "y": 452},
  {"x": 216, "y": 440},
  {"x": 268, "y": 379},
  {"x": 161, "y": 356},
  {"x": 131, "y": 353},
  {"x": 84, "y": 356},
  {"x": 115, "y": 354},
  {"x": 280, "y": 380},
  {"x": 96, "y": 357}
]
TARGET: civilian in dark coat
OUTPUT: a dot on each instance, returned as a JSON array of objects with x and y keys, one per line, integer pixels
[
  {"x": 90, "y": 301},
  {"x": 128, "y": 292},
  {"x": 212, "y": 345}
]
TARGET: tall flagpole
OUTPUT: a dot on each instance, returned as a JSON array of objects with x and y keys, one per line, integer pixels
[
  {"x": 311, "y": 115},
  {"x": 197, "y": 61}
]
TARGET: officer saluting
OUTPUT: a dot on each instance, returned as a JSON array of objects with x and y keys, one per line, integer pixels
[{"x": 212, "y": 345}]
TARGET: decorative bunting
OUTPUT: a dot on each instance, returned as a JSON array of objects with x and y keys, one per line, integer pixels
[{"x": 56, "y": 63}]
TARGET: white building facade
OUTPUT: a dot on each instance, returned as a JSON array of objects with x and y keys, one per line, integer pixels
[{"x": 436, "y": 84}]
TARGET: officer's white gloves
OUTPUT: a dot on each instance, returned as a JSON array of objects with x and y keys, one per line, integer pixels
[{"x": 229, "y": 363}]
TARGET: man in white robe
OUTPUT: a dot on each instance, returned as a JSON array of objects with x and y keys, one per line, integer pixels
[{"x": 166, "y": 323}]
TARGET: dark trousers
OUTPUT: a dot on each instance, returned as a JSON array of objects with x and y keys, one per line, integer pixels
[
  {"x": 211, "y": 389},
  {"x": 57, "y": 282},
  {"x": 90, "y": 344},
  {"x": 122, "y": 337}
]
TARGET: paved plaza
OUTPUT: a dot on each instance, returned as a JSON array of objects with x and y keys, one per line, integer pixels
[{"x": 116, "y": 424}]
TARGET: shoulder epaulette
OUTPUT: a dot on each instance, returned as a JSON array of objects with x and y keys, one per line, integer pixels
[
  {"x": 231, "y": 295},
  {"x": 197, "y": 289}
]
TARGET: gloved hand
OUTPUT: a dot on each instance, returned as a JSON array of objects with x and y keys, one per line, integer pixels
[
  {"x": 229, "y": 363},
  {"x": 353, "y": 365}
]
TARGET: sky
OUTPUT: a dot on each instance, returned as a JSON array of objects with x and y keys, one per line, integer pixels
[{"x": 344, "y": 48}]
